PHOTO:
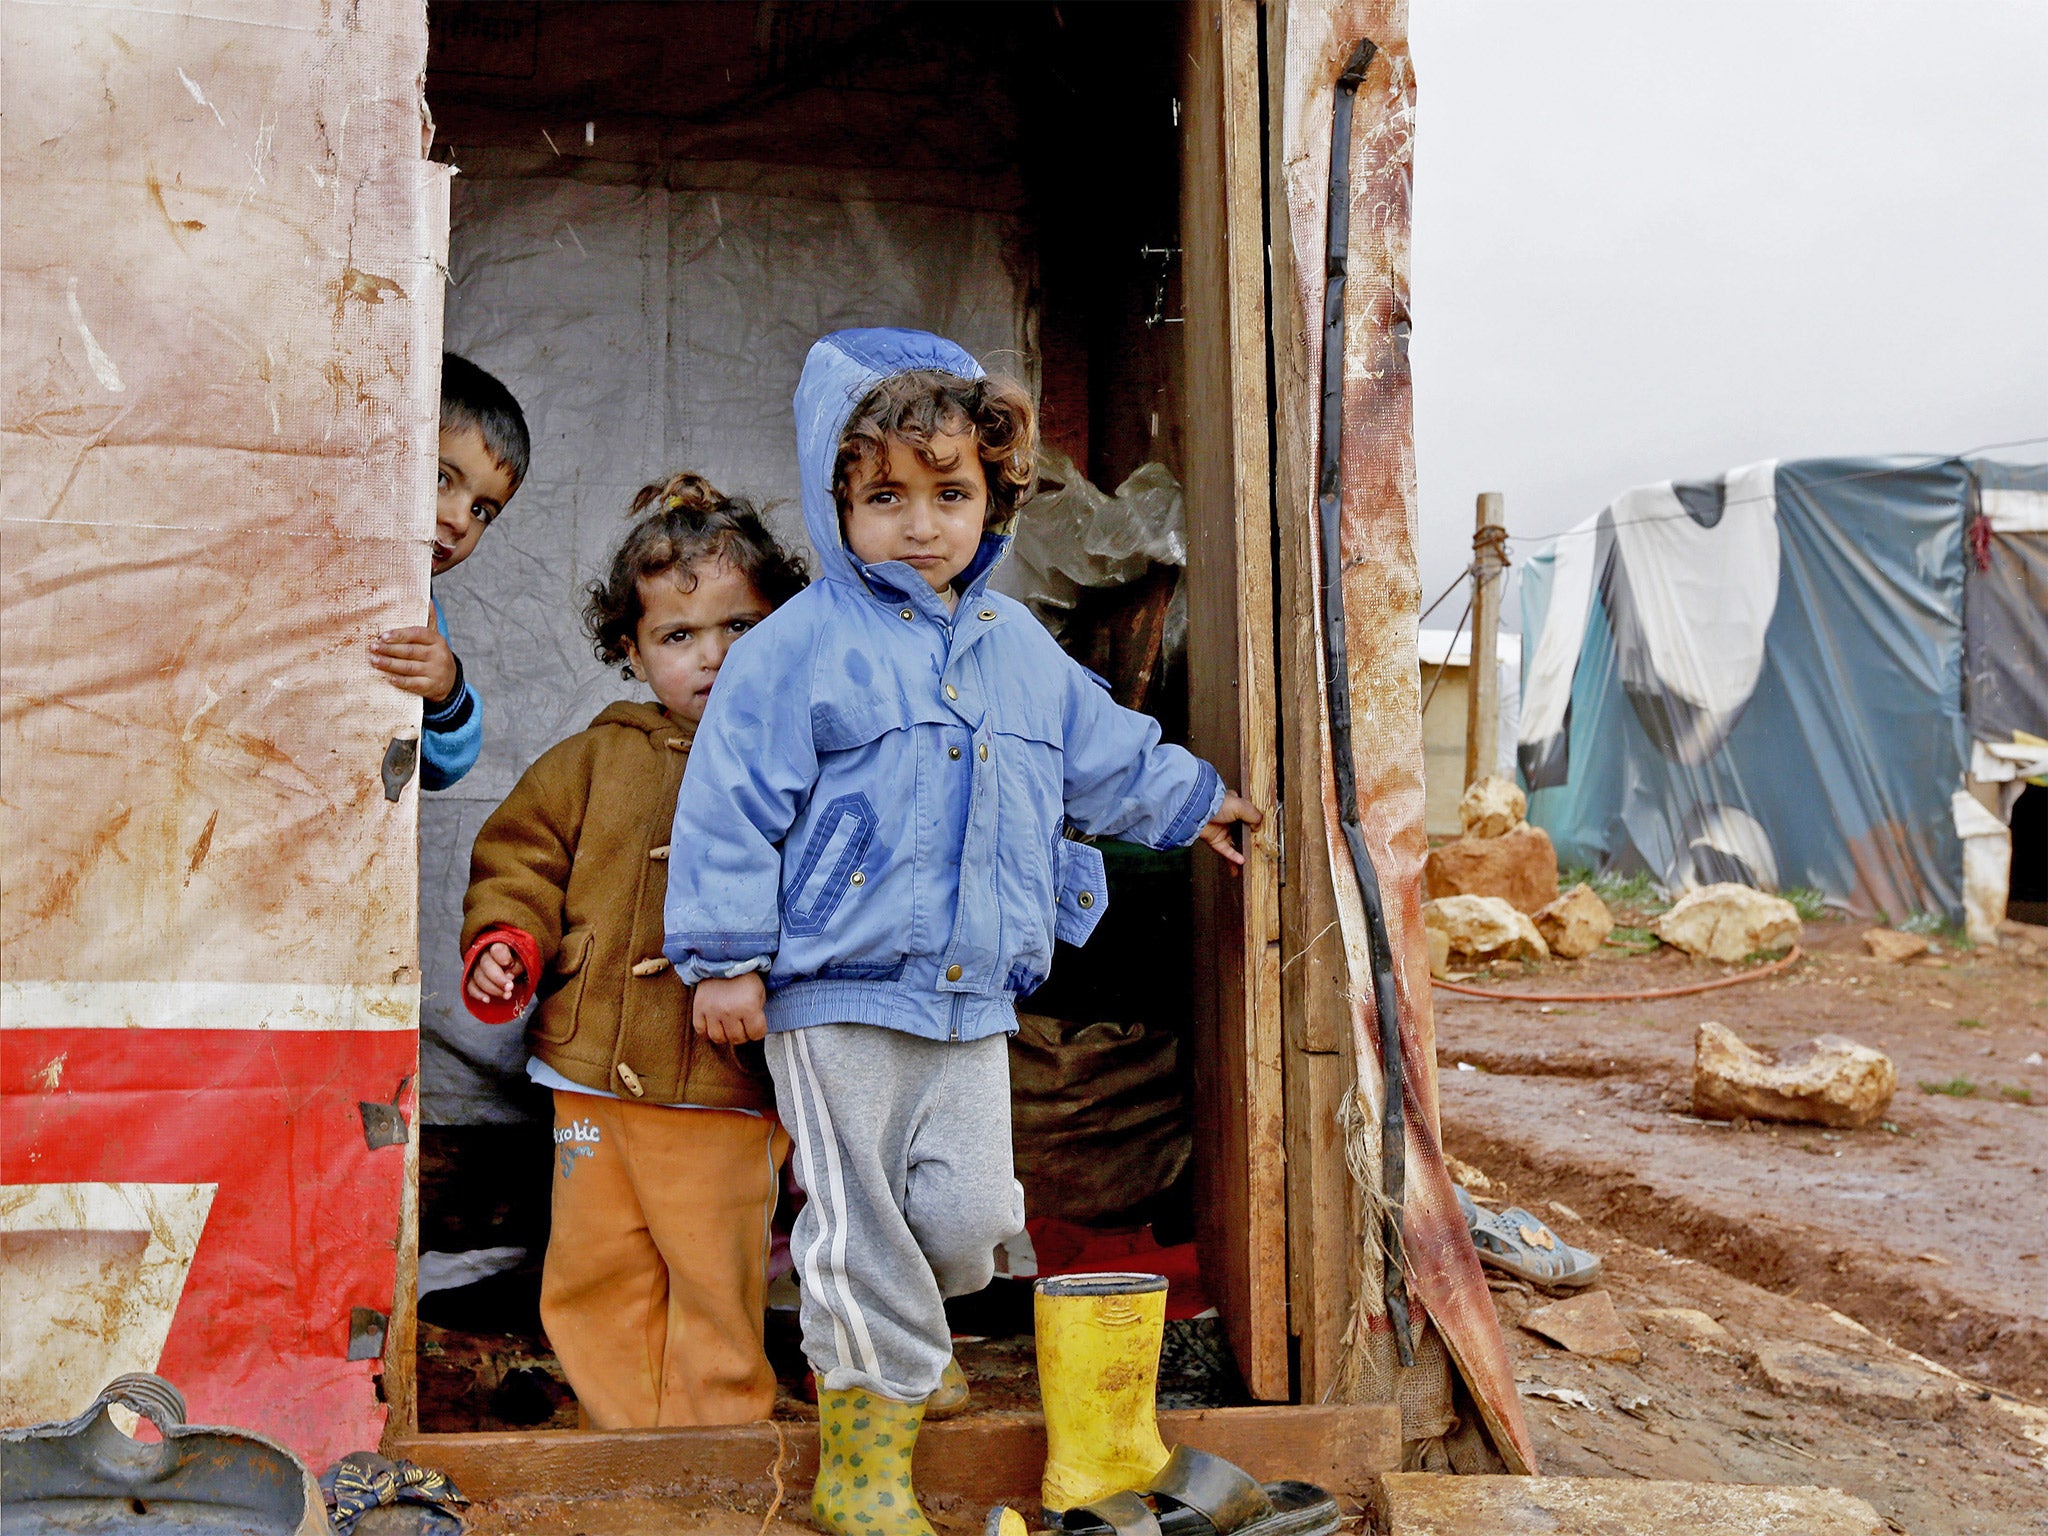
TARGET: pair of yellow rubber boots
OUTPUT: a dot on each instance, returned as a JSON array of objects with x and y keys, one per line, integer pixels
[{"x": 1098, "y": 1377}]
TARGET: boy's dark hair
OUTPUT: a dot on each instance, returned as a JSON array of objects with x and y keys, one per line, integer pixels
[
  {"x": 920, "y": 405},
  {"x": 690, "y": 520},
  {"x": 472, "y": 398}
]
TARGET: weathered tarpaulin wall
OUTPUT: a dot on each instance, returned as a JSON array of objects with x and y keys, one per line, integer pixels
[
  {"x": 1764, "y": 677},
  {"x": 1327, "y": 990},
  {"x": 218, "y": 401}
]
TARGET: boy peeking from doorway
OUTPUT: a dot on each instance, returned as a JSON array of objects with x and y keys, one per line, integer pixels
[
  {"x": 877, "y": 803},
  {"x": 484, "y": 452}
]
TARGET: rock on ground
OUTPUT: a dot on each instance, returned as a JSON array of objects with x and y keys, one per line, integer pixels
[
  {"x": 1728, "y": 922},
  {"x": 1585, "y": 1324},
  {"x": 1429, "y": 1504},
  {"x": 1828, "y": 1080},
  {"x": 1692, "y": 1328},
  {"x": 1575, "y": 924},
  {"x": 1893, "y": 947},
  {"x": 1484, "y": 928},
  {"x": 1492, "y": 808},
  {"x": 1519, "y": 866},
  {"x": 1439, "y": 952},
  {"x": 1884, "y": 1386}
]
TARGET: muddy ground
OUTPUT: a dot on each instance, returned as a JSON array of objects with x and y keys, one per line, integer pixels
[{"x": 1927, "y": 1234}]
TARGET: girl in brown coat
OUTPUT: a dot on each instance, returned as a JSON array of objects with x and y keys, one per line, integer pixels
[{"x": 668, "y": 1153}]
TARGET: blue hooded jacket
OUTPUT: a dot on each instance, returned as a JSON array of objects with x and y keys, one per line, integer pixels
[{"x": 875, "y": 806}]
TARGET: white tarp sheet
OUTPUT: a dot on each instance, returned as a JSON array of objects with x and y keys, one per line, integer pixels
[{"x": 644, "y": 330}]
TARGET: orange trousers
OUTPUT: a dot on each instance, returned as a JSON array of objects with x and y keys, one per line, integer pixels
[{"x": 657, "y": 1268}]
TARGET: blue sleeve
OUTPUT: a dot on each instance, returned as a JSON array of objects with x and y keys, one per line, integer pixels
[
  {"x": 752, "y": 765},
  {"x": 452, "y": 735},
  {"x": 1121, "y": 780}
]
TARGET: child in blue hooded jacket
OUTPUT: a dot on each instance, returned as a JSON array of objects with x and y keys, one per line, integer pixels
[{"x": 878, "y": 800}]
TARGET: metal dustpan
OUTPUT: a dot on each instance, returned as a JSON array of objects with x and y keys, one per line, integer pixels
[{"x": 87, "y": 1476}]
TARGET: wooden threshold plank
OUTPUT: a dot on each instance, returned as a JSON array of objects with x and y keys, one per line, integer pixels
[{"x": 986, "y": 1457}]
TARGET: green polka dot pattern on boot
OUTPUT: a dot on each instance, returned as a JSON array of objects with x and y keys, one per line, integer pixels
[{"x": 865, "y": 1445}]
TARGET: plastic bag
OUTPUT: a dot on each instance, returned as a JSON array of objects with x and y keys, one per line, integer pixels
[{"x": 1072, "y": 536}]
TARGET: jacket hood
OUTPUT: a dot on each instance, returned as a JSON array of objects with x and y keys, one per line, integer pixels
[
  {"x": 643, "y": 716},
  {"x": 840, "y": 370}
]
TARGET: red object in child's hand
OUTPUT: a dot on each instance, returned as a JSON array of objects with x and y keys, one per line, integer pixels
[{"x": 505, "y": 1010}]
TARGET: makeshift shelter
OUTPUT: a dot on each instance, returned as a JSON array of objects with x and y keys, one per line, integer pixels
[
  {"x": 1826, "y": 673},
  {"x": 1446, "y": 659},
  {"x": 224, "y": 256}
]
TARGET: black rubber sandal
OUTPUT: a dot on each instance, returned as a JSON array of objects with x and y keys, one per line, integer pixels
[{"x": 1196, "y": 1494}]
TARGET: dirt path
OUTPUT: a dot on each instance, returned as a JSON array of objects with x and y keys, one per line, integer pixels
[
  {"x": 1931, "y": 1230},
  {"x": 1929, "y": 1234}
]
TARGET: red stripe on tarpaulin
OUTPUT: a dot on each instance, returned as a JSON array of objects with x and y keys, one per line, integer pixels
[{"x": 304, "y": 1225}]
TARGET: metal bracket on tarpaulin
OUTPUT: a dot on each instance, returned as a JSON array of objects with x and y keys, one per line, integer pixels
[
  {"x": 366, "y": 1329},
  {"x": 401, "y": 760}
]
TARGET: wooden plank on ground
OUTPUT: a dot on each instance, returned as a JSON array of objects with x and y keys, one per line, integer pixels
[
  {"x": 1427, "y": 1504},
  {"x": 986, "y": 1457},
  {"x": 1238, "y": 1090}
]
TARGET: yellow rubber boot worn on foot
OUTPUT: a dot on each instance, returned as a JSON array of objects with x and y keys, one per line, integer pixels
[
  {"x": 1098, "y": 1377},
  {"x": 865, "y": 1443},
  {"x": 952, "y": 1396}
]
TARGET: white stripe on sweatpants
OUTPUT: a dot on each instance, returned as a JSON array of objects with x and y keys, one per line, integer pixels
[
  {"x": 809, "y": 1258},
  {"x": 834, "y": 1209}
]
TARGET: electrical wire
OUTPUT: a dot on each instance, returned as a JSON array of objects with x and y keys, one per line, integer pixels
[{"x": 1344, "y": 763}]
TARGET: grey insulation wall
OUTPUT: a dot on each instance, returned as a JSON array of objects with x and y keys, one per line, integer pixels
[{"x": 645, "y": 329}]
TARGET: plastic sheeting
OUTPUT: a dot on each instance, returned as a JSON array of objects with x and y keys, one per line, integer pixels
[
  {"x": 217, "y": 412},
  {"x": 1759, "y": 678},
  {"x": 1072, "y": 537},
  {"x": 2005, "y": 651},
  {"x": 1381, "y": 595},
  {"x": 644, "y": 329}
]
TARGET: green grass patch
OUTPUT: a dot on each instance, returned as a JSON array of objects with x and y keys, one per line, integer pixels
[
  {"x": 1638, "y": 891},
  {"x": 1936, "y": 927},
  {"x": 1633, "y": 938},
  {"x": 1810, "y": 904},
  {"x": 1954, "y": 1088},
  {"x": 2013, "y": 1094},
  {"x": 1969, "y": 1023}
]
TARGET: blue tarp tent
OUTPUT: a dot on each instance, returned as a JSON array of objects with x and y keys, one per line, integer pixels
[{"x": 1781, "y": 676}]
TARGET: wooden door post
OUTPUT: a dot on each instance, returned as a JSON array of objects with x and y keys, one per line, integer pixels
[{"x": 1482, "y": 697}]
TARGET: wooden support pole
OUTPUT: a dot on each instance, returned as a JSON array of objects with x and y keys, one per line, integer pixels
[{"x": 1482, "y": 696}]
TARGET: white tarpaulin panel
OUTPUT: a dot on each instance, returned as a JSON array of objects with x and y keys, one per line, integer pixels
[
  {"x": 644, "y": 330},
  {"x": 222, "y": 257}
]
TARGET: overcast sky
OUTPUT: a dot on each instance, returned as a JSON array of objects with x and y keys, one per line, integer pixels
[{"x": 1662, "y": 238}]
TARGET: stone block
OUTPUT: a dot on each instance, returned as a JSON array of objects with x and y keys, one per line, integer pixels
[
  {"x": 1889, "y": 1387},
  {"x": 1825, "y": 1081},
  {"x": 1484, "y": 928},
  {"x": 1585, "y": 1325},
  {"x": 1729, "y": 922},
  {"x": 1575, "y": 924},
  {"x": 1519, "y": 866},
  {"x": 1893, "y": 947},
  {"x": 1492, "y": 808}
]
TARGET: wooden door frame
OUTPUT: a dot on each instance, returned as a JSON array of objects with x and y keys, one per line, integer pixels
[{"x": 1239, "y": 1118}]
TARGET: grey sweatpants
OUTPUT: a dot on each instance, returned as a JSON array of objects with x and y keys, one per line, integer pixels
[{"x": 903, "y": 1151}]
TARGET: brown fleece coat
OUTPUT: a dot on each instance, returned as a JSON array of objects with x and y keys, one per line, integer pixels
[{"x": 576, "y": 858}]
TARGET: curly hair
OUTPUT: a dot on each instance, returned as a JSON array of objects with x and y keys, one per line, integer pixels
[
  {"x": 926, "y": 403},
  {"x": 684, "y": 520}
]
